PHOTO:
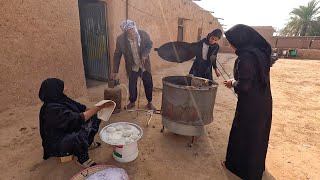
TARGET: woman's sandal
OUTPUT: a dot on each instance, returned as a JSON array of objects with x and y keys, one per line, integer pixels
[
  {"x": 94, "y": 145},
  {"x": 88, "y": 163}
]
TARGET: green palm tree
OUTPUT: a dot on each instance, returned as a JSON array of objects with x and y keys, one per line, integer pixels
[
  {"x": 314, "y": 29},
  {"x": 301, "y": 19}
]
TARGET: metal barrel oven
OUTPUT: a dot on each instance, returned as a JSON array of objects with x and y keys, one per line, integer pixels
[{"x": 186, "y": 109}]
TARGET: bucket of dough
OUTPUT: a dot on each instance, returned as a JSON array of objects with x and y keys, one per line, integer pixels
[
  {"x": 123, "y": 136},
  {"x": 105, "y": 113}
]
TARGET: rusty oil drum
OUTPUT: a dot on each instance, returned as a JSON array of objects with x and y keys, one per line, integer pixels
[{"x": 182, "y": 104}]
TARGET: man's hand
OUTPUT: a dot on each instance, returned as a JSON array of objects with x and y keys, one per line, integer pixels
[
  {"x": 143, "y": 60},
  {"x": 113, "y": 75}
]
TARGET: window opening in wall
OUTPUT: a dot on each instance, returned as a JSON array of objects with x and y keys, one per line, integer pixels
[{"x": 180, "y": 29}]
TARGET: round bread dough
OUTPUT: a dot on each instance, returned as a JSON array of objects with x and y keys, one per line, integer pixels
[
  {"x": 114, "y": 135},
  {"x": 119, "y": 127},
  {"x": 134, "y": 137},
  {"x": 129, "y": 140},
  {"x": 135, "y": 130},
  {"x": 128, "y": 127},
  {"x": 111, "y": 129},
  {"x": 126, "y": 133}
]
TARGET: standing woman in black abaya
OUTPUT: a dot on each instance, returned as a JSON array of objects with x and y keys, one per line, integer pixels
[{"x": 249, "y": 136}]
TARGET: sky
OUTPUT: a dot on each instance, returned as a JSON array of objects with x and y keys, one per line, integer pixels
[{"x": 252, "y": 12}]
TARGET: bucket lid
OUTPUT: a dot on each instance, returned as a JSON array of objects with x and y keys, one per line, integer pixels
[{"x": 176, "y": 52}]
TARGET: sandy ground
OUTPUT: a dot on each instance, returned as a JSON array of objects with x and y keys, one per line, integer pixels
[{"x": 293, "y": 153}]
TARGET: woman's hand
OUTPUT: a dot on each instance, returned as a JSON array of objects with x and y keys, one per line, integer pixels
[
  {"x": 228, "y": 83},
  {"x": 105, "y": 105},
  {"x": 92, "y": 111}
]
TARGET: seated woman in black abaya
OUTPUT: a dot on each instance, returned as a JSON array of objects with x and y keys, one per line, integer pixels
[{"x": 66, "y": 126}]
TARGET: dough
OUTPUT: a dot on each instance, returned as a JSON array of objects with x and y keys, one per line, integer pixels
[
  {"x": 128, "y": 127},
  {"x": 135, "y": 137},
  {"x": 129, "y": 140},
  {"x": 121, "y": 134},
  {"x": 114, "y": 136},
  {"x": 110, "y": 173},
  {"x": 135, "y": 130},
  {"x": 111, "y": 129},
  {"x": 126, "y": 133},
  {"x": 119, "y": 127}
]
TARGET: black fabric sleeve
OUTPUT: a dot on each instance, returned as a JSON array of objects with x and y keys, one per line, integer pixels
[
  {"x": 215, "y": 55},
  {"x": 60, "y": 117},
  {"x": 245, "y": 68},
  {"x": 81, "y": 107}
]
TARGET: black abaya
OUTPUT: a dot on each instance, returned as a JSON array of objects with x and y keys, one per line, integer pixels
[
  {"x": 249, "y": 136},
  {"x": 63, "y": 128}
]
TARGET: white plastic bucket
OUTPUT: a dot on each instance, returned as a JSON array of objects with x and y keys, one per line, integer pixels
[
  {"x": 123, "y": 153},
  {"x": 126, "y": 153}
]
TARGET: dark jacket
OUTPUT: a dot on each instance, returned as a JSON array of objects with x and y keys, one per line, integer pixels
[
  {"x": 200, "y": 67},
  {"x": 56, "y": 121},
  {"x": 123, "y": 48}
]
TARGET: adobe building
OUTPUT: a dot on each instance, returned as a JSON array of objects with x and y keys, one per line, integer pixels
[{"x": 74, "y": 40}]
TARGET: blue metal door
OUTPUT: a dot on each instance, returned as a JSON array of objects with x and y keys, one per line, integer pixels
[{"x": 94, "y": 40}]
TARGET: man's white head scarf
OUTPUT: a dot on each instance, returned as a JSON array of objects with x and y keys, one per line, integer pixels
[{"x": 129, "y": 24}]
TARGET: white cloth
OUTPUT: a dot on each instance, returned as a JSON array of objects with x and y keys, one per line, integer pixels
[
  {"x": 105, "y": 113},
  {"x": 129, "y": 24},
  {"x": 205, "y": 50}
]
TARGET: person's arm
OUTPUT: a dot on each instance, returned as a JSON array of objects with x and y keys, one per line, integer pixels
[
  {"x": 116, "y": 58},
  {"x": 92, "y": 111},
  {"x": 60, "y": 117},
  {"x": 148, "y": 45},
  {"x": 213, "y": 59},
  {"x": 195, "y": 46},
  {"x": 245, "y": 76}
]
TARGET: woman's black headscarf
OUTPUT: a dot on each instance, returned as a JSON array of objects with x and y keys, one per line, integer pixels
[
  {"x": 51, "y": 91},
  {"x": 247, "y": 40},
  {"x": 217, "y": 33}
]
